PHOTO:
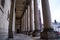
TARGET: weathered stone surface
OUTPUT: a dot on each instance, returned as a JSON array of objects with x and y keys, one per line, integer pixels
[
  {"x": 4, "y": 22},
  {"x": 16, "y": 37},
  {"x": 49, "y": 35},
  {"x": 22, "y": 37}
]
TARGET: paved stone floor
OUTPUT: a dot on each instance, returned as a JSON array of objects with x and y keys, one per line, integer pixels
[
  {"x": 21, "y": 37},
  {"x": 3, "y": 36},
  {"x": 16, "y": 37},
  {"x": 37, "y": 38}
]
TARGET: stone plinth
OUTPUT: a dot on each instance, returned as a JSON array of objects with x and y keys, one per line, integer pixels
[{"x": 49, "y": 34}]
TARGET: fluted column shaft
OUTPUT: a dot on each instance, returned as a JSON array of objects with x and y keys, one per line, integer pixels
[
  {"x": 46, "y": 14},
  {"x": 25, "y": 22},
  {"x": 36, "y": 15},
  {"x": 31, "y": 16},
  {"x": 37, "y": 19},
  {"x": 10, "y": 32},
  {"x": 48, "y": 30}
]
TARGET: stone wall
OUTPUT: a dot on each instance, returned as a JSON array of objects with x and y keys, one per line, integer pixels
[{"x": 4, "y": 17}]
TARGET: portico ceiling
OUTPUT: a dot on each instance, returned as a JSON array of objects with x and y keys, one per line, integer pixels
[{"x": 20, "y": 7}]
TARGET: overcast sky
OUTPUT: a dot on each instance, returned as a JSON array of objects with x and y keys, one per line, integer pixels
[{"x": 54, "y": 9}]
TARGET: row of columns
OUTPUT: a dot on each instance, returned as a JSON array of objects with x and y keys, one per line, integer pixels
[{"x": 35, "y": 19}]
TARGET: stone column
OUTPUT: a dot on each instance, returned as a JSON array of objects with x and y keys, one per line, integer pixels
[
  {"x": 48, "y": 31},
  {"x": 26, "y": 21},
  {"x": 31, "y": 17},
  {"x": 20, "y": 24},
  {"x": 14, "y": 17},
  {"x": 10, "y": 32},
  {"x": 37, "y": 19},
  {"x": 27, "y": 15},
  {"x": 22, "y": 27}
]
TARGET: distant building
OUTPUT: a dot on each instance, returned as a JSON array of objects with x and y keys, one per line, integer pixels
[{"x": 55, "y": 26}]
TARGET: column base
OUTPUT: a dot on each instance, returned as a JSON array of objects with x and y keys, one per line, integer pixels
[
  {"x": 36, "y": 33},
  {"x": 23, "y": 32},
  {"x": 49, "y": 34},
  {"x": 10, "y": 35},
  {"x": 30, "y": 33}
]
